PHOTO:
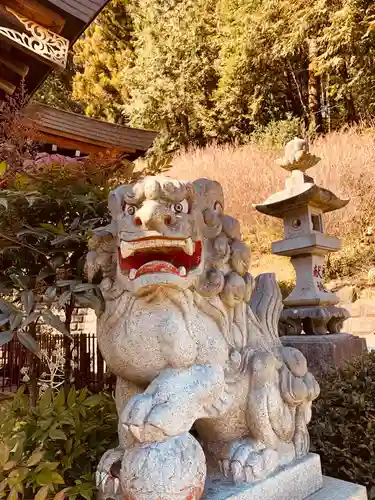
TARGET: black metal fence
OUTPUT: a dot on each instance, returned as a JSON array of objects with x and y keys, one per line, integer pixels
[{"x": 88, "y": 368}]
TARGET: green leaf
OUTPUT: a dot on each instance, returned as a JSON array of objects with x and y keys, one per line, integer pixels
[
  {"x": 20, "y": 474},
  {"x": 57, "y": 261},
  {"x": 3, "y": 485},
  {"x": 57, "y": 434},
  {"x": 62, "y": 283},
  {"x": 61, "y": 494},
  {"x": 51, "y": 293},
  {"x": 10, "y": 465},
  {"x": 28, "y": 300},
  {"x": 7, "y": 307},
  {"x": 19, "y": 280},
  {"x": 34, "y": 316},
  {"x": 6, "y": 337},
  {"x": 51, "y": 228},
  {"x": 47, "y": 465},
  {"x": 54, "y": 321},
  {"x": 45, "y": 400},
  {"x": 42, "y": 493},
  {"x": 4, "y": 319},
  {"x": 16, "y": 320},
  {"x": 85, "y": 490},
  {"x": 31, "y": 199},
  {"x": 29, "y": 342},
  {"x": 83, "y": 287},
  {"x": 93, "y": 400},
  {"x": 13, "y": 495},
  {"x": 44, "y": 477},
  {"x": 60, "y": 399},
  {"x": 68, "y": 445},
  {"x": 46, "y": 423},
  {"x": 64, "y": 298},
  {"x": 3, "y": 167},
  {"x": 35, "y": 458},
  {"x": 44, "y": 273},
  {"x": 60, "y": 227},
  {"x": 71, "y": 397},
  {"x": 4, "y": 454},
  {"x": 57, "y": 479}
]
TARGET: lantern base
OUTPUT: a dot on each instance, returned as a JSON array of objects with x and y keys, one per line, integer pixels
[
  {"x": 312, "y": 320},
  {"x": 324, "y": 352}
]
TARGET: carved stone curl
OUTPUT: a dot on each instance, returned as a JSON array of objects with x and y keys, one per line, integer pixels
[
  {"x": 312, "y": 320},
  {"x": 193, "y": 340}
]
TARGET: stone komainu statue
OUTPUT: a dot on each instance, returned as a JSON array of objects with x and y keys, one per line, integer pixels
[{"x": 193, "y": 341}]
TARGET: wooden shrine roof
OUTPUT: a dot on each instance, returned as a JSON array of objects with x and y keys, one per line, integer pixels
[
  {"x": 88, "y": 135},
  {"x": 35, "y": 36}
]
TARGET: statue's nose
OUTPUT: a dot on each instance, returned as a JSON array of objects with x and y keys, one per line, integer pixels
[{"x": 153, "y": 216}]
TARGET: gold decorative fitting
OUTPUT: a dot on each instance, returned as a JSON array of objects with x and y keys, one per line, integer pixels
[{"x": 39, "y": 40}]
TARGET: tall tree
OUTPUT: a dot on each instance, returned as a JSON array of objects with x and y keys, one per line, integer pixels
[
  {"x": 202, "y": 69},
  {"x": 102, "y": 55},
  {"x": 173, "y": 77},
  {"x": 57, "y": 90}
]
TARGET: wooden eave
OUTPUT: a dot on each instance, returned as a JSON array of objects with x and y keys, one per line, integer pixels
[
  {"x": 63, "y": 21},
  {"x": 88, "y": 135}
]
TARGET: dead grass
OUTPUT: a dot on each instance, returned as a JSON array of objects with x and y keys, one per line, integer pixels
[{"x": 249, "y": 175}]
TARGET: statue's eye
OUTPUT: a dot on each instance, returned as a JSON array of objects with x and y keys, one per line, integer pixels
[
  {"x": 129, "y": 209},
  {"x": 181, "y": 208}
]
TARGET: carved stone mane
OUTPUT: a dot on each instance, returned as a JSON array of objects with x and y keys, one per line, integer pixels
[{"x": 193, "y": 340}]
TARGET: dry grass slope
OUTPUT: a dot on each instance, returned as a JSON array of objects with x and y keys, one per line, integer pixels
[{"x": 249, "y": 175}]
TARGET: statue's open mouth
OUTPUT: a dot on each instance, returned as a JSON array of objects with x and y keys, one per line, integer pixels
[{"x": 159, "y": 255}]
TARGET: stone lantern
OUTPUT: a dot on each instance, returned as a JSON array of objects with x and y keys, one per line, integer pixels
[{"x": 310, "y": 309}]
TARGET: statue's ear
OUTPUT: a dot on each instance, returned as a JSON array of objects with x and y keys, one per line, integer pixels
[{"x": 115, "y": 201}]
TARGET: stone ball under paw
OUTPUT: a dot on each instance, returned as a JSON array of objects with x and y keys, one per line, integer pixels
[{"x": 170, "y": 470}]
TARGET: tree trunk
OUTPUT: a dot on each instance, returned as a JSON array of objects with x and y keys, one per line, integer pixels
[
  {"x": 314, "y": 85},
  {"x": 351, "y": 115},
  {"x": 328, "y": 103}
]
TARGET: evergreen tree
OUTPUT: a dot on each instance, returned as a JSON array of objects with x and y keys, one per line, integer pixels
[
  {"x": 102, "y": 56},
  {"x": 56, "y": 91},
  {"x": 173, "y": 77},
  {"x": 202, "y": 69}
]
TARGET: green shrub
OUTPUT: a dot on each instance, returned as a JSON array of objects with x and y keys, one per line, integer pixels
[
  {"x": 343, "y": 424},
  {"x": 276, "y": 134},
  {"x": 286, "y": 287},
  {"x": 52, "y": 450},
  {"x": 352, "y": 260}
]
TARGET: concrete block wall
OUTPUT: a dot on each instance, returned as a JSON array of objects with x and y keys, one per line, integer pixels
[
  {"x": 83, "y": 321},
  {"x": 360, "y": 302}
]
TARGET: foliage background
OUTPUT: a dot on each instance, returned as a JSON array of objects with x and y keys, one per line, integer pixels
[
  {"x": 202, "y": 69},
  {"x": 343, "y": 426}
]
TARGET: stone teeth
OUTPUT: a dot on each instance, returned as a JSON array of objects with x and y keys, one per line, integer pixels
[
  {"x": 126, "y": 249},
  {"x": 182, "y": 271},
  {"x": 132, "y": 273},
  {"x": 132, "y": 246},
  {"x": 189, "y": 246}
]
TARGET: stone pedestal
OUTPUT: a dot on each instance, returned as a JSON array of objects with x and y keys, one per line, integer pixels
[
  {"x": 302, "y": 480},
  {"x": 323, "y": 352},
  {"x": 335, "y": 489}
]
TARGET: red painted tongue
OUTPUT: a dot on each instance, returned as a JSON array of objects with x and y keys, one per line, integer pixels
[{"x": 157, "y": 266}]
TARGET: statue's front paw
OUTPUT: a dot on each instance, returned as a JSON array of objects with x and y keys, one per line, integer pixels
[
  {"x": 108, "y": 474},
  {"x": 150, "y": 420},
  {"x": 246, "y": 463}
]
